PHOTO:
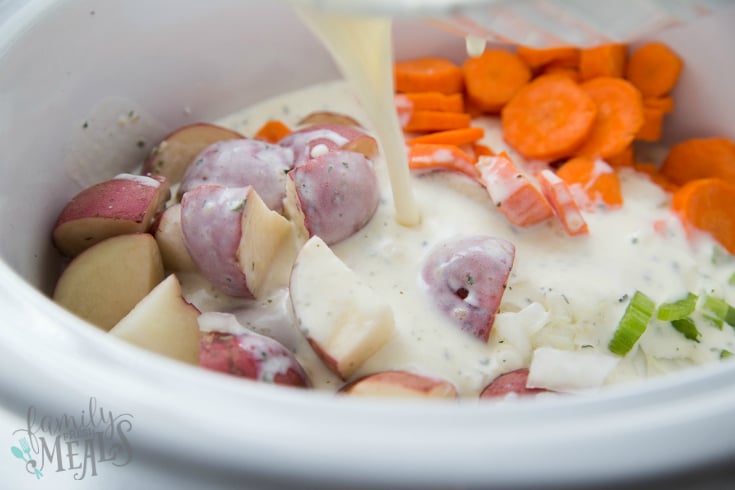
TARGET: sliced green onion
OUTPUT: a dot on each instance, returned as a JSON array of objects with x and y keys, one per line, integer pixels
[
  {"x": 725, "y": 354},
  {"x": 687, "y": 327},
  {"x": 633, "y": 323},
  {"x": 731, "y": 281},
  {"x": 715, "y": 310},
  {"x": 730, "y": 316},
  {"x": 678, "y": 309}
]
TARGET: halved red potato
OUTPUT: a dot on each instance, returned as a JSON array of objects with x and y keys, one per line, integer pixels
[
  {"x": 239, "y": 163},
  {"x": 122, "y": 205},
  {"x": 466, "y": 278},
  {"x": 328, "y": 117},
  {"x": 248, "y": 354},
  {"x": 511, "y": 382},
  {"x": 314, "y": 141},
  {"x": 332, "y": 196},
  {"x": 173, "y": 155},
  {"x": 163, "y": 322},
  {"x": 343, "y": 319},
  {"x": 400, "y": 384},
  {"x": 105, "y": 282},
  {"x": 167, "y": 232},
  {"x": 232, "y": 237}
]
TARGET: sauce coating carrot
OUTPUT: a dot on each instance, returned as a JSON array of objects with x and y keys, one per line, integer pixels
[
  {"x": 429, "y": 157},
  {"x": 559, "y": 195},
  {"x": 594, "y": 183}
]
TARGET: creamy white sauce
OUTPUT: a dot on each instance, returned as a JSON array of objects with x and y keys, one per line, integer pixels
[{"x": 564, "y": 293}]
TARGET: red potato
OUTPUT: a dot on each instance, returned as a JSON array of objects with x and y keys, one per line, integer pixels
[
  {"x": 105, "y": 282},
  {"x": 122, "y": 205},
  {"x": 232, "y": 237},
  {"x": 314, "y": 141},
  {"x": 164, "y": 323},
  {"x": 252, "y": 356},
  {"x": 512, "y": 382},
  {"x": 328, "y": 117},
  {"x": 167, "y": 232},
  {"x": 332, "y": 196},
  {"x": 340, "y": 315},
  {"x": 400, "y": 384},
  {"x": 239, "y": 163},
  {"x": 466, "y": 278},
  {"x": 173, "y": 155}
]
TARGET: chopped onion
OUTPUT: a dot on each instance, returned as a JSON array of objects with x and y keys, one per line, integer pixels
[{"x": 633, "y": 323}]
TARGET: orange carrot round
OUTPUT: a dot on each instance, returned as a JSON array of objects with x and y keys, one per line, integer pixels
[
  {"x": 596, "y": 179},
  {"x": 706, "y": 204},
  {"x": 606, "y": 60},
  {"x": 458, "y": 137},
  {"x": 420, "y": 121},
  {"x": 272, "y": 131},
  {"x": 619, "y": 116},
  {"x": 699, "y": 158},
  {"x": 493, "y": 78},
  {"x": 428, "y": 75},
  {"x": 567, "y": 56},
  {"x": 654, "y": 68},
  {"x": 548, "y": 118}
]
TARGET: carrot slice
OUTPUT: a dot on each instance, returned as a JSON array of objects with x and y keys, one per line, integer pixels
[
  {"x": 422, "y": 156},
  {"x": 625, "y": 158},
  {"x": 560, "y": 197},
  {"x": 424, "y": 121},
  {"x": 606, "y": 60},
  {"x": 654, "y": 68},
  {"x": 548, "y": 118},
  {"x": 431, "y": 101},
  {"x": 568, "y": 56},
  {"x": 656, "y": 177},
  {"x": 706, "y": 204},
  {"x": 272, "y": 131},
  {"x": 456, "y": 137},
  {"x": 482, "y": 151},
  {"x": 571, "y": 73},
  {"x": 653, "y": 122},
  {"x": 428, "y": 75},
  {"x": 493, "y": 78},
  {"x": 619, "y": 116},
  {"x": 699, "y": 158},
  {"x": 511, "y": 191},
  {"x": 594, "y": 183},
  {"x": 665, "y": 103}
]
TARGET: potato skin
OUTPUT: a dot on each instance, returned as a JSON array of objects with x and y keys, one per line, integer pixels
[
  {"x": 466, "y": 278},
  {"x": 511, "y": 382},
  {"x": 241, "y": 163},
  {"x": 332, "y": 137},
  {"x": 251, "y": 356},
  {"x": 337, "y": 194}
]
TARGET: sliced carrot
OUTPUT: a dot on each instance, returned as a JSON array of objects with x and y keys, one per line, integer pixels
[
  {"x": 482, "y": 151},
  {"x": 428, "y": 75},
  {"x": 456, "y": 137},
  {"x": 625, "y": 158},
  {"x": 425, "y": 121},
  {"x": 272, "y": 131},
  {"x": 619, "y": 116},
  {"x": 699, "y": 158},
  {"x": 606, "y": 60},
  {"x": 548, "y": 118},
  {"x": 656, "y": 177},
  {"x": 430, "y": 157},
  {"x": 538, "y": 57},
  {"x": 571, "y": 73},
  {"x": 560, "y": 197},
  {"x": 654, "y": 68},
  {"x": 493, "y": 78},
  {"x": 594, "y": 183},
  {"x": 511, "y": 191},
  {"x": 665, "y": 103},
  {"x": 653, "y": 122},
  {"x": 706, "y": 204},
  {"x": 431, "y": 101}
]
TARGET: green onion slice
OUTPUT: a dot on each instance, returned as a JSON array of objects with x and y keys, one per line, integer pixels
[
  {"x": 730, "y": 316},
  {"x": 687, "y": 327},
  {"x": 715, "y": 310},
  {"x": 678, "y": 309},
  {"x": 633, "y": 323},
  {"x": 724, "y": 354}
]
